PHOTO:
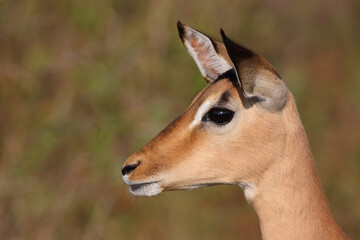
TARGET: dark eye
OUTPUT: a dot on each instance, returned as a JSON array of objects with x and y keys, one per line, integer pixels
[{"x": 220, "y": 116}]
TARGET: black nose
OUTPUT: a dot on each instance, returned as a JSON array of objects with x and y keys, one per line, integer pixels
[{"x": 129, "y": 168}]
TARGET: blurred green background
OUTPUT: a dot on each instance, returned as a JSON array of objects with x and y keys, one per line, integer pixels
[{"x": 83, "y": 84}]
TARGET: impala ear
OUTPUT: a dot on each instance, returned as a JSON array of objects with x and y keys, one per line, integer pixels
[
  {"x": 258, "y": 79},
  {"x": 209, "y": 55}
]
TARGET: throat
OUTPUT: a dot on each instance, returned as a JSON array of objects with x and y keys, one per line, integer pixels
[{"x": 250, "y": 190}]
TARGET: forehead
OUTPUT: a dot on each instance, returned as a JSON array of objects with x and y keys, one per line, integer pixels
[{"x": 223, "y": 88}]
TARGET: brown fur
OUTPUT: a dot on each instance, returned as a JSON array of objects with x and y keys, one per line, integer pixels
[{"x": 266, "y": 148}]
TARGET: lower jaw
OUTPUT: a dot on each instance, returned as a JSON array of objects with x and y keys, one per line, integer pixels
[{"x": 145, "y": 189}]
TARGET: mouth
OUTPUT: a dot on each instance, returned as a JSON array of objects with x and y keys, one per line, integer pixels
[{"x": 145, "y": 189}]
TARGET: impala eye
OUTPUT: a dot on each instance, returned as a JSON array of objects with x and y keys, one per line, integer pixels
[{"x": 220, "y": 116}]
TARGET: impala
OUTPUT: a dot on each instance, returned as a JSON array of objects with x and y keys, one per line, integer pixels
[{"x": 243, "y": 128}]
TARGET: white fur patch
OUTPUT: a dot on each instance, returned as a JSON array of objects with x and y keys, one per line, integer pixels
[
  {"x": 214, "y": 65},
  {"x": 142, "y": 189},
  {"x": 150, "y": 189},
  {"x": 200, "y": 112},
  {"x": 250, "y": 190},
  {"x": 126, "y": 179}
]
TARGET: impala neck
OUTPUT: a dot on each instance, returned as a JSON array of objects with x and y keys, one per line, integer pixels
[{"x": 290, "y": 202}]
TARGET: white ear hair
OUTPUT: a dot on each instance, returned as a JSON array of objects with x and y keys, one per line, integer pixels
[{"x": 202, "y": 50}]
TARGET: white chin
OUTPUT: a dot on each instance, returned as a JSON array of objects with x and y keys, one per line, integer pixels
[{"x": 145, "y": 189}]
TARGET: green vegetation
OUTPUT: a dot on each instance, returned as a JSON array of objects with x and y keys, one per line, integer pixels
[{"x": 83, "y": 84}]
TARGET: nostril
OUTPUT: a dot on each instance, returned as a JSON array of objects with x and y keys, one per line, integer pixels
[{"x": 129, "y": 168}]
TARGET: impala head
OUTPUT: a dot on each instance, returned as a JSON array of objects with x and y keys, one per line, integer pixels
[{"x": 231, "y": 132}]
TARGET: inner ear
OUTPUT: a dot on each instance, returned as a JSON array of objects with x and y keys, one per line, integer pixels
[{"x": 209, "y": 55}]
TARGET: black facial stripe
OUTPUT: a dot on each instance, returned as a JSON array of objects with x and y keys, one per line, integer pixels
[{"x": 225, "y": 97}]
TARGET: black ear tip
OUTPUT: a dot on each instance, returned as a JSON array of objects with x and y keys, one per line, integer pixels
[
  {"x": 181, "y": 30},
  {"x": 179, "y": 24},
  {"x": 223, "y": 34}
]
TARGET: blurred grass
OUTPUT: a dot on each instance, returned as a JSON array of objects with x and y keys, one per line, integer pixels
[{"x": 83, "y": 84}]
